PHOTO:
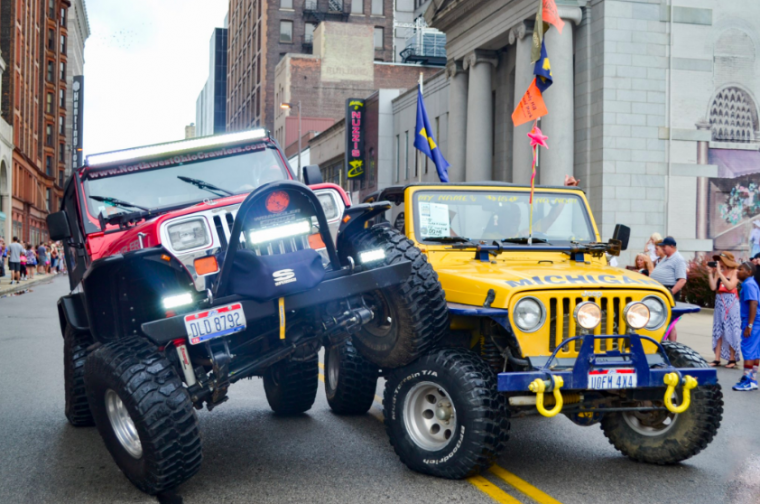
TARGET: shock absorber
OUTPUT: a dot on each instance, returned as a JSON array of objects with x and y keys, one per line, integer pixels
[{"x": 491, "y": 353}]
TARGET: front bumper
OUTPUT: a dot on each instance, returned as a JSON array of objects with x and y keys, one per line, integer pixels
[
  {"x": 336, "y": 286},
  {"x": 650, "y": 372}
]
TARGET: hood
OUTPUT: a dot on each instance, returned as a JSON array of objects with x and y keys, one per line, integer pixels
[{"x": 467, "y": 280}]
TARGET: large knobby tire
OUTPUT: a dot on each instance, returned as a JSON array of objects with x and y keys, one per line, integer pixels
[
  {"x": 77, "y": 408},
  {"x": 444, "y": 416},
  {"x": 291, "y": 385},
  {"x": 350, "y": 380},
  {"x": 411, "y": 317},
  {"x": 666, "y": 438},
  {"x": 144, "y": 414}
]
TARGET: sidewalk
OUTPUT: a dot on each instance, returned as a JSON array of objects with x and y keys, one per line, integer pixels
[
  {"x": 6, "y": 287},
  {"x": 695, "y": 330}
]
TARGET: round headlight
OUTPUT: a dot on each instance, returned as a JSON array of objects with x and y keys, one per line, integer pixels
[
  {"x": 588, "y": 315},
  {"x": 636, "y": 315},
  {"x": 658, "y": 313},
  {"x": 529, "y": 314}
]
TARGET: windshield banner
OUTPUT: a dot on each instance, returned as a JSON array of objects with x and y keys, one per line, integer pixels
[{"x": 172, "y": 161}]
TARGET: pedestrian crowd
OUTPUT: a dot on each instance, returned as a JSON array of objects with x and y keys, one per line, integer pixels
[
  {"x": 736, "y": 284},
  {"x": 21, "y": 261}
]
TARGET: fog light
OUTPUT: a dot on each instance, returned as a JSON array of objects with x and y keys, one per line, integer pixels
[
  {"x": 636, "y": 315},
  {"x": 179, "y": 300},
  {"x": 372, "y": 255},
  {"x": 588, "y": 315}
]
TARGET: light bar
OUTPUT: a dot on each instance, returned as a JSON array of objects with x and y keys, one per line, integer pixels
[
  {"x": 179, "y": 300},
  {"x": 372, "y": 255},
  {"x": 192, "y": 144},
  {"x": 280, "y": 232}
]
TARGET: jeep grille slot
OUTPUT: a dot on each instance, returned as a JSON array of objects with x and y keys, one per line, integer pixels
[
  {"x": 220, "y": 232},
  {"x": 224, "y": 223},
  {"x": 562, "y": 323}
]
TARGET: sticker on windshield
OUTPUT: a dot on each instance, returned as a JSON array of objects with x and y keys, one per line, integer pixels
[{"x": 434, "y": 220}]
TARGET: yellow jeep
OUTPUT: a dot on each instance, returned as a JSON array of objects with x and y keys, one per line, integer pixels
[{"x": 539, "y": 324}]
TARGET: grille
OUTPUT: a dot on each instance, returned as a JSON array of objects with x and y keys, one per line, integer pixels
[
  {"x": 223, "y": 224},
  {"x": 562, "y": 325}
]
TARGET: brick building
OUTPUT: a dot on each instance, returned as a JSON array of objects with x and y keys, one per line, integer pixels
[
  {"x": 261, "y": 32},
  {"x": 34, "y": 41}
]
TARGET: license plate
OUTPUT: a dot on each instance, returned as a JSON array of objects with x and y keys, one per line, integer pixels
[
  {"x": 608, "y": 379},
  {"x": 214, "y": 323}
]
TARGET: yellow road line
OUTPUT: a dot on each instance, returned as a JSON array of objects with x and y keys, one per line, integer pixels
[
  {"x": 321, "y": 366},
  {"x": 321, "y": 377},
  {"x": 379, "y": 399},
  {"x": 492, "y": 490},
  {"x": 523, "y": 486}
]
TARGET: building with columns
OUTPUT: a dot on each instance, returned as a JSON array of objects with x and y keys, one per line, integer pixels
[{"x": 653, "y": 107}]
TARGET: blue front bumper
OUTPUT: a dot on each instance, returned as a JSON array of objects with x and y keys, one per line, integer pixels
[{"x": 649, "y": 374}]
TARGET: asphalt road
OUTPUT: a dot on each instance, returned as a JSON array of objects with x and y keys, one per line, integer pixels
[{"x": 253, "y": 456}]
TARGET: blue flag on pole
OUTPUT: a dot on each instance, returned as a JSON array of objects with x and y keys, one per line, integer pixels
[
  {"x": 543, "y": 70},
  {"x": 425, "y": 142}
]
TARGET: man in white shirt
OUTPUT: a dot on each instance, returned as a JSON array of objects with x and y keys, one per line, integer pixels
[{"x": 14, "y": 260}]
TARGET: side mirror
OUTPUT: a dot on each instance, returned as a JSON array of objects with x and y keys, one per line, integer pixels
[
  {"x": 58, "y": 226},
  {"x": 622, "y": 234},
  {"x": 312, "y": 175}
]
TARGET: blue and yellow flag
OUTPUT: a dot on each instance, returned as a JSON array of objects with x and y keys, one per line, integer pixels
[
  {"x": 425, "y": 142},
  {"x": 543, "y": 70}
]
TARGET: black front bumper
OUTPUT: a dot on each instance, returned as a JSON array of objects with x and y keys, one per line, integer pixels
[{"x": 336, "y": 286}]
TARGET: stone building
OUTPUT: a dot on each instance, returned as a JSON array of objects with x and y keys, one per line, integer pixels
[
  {"x": 262, "y": 32},
  {"x": 653, "y": 107},
  {"x": 79, "y": 32},
  {"x": 341, "y": 67},
  {"x": 34, "y": 43}
]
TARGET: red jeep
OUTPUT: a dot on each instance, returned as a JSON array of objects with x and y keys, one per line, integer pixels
[{"x": 198, "y": 263}]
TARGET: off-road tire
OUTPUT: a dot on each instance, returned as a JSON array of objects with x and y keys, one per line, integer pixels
[
  {"x": 291, "y": 386},
  {"x": 77, "y": 408},
  {"x": 159, "y": 406},
  {"x": 350, "y": 380},
  {"x": 481, "y": 412},
  {"x": 418, "y": 304},
  {"x": 692, "y": 431}
]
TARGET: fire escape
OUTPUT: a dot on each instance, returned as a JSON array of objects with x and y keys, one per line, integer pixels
[{"x": 315, "y": 11}]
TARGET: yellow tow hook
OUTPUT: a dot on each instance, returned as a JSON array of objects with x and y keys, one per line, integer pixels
[
  {"x": 672, "y": 380},
  {"x": 538, "y": 386}
]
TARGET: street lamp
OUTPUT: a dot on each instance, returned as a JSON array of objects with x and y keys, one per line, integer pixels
[{"x": 288, "y": 106}]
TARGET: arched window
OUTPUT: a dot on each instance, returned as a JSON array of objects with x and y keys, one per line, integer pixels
[{"x": 733, "y": 116}]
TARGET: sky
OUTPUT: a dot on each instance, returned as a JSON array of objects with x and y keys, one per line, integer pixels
[{"x": 146, "y": 61}]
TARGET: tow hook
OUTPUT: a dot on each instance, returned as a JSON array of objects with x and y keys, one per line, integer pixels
[
  {"x": 539, "y": 386},
  {"x": 672, "y": 380}
]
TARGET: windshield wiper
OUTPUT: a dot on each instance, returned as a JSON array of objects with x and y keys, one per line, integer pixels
[
  {"x": 118, "y": 202},
  {"x": 524, "y": 240},
  {"x": 205, "y": 185},
  {"x": 447, "y": 239}
]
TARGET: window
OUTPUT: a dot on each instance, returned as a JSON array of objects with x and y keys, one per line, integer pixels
[
  {"x": 49, "y": 103},
  {"x": 61, "y": 126},
  {"x": 49, "y": 135},
  {"x": 51, "y": 9},
  {"x": 286, "y": 4},
  {"x": 63, "y": 44},
  {"x": 63, "y": 71},
  {"x": 50, "y": 71},
  {"x": 49, "y": 165},
  {"x": 406, "y": 157},
  {"x": 51, "y": 40},
  {"x": 398, "y": 158},
  {"x": 62, "y": 99},
  {"x": 335, "y": 5},
  {"x": 308, "y": 33},
  {"x": 286, "y": 32},
  {"x": 60, "y": 178},
  {"x": 49, "y": 199},
  {"x": 357, "y": 6},
  {"x": 61, "y": 153},
  {"x": 379, "y": 34},
  {"x": 63, "y": 16},
  {"x": 377, "y": 7}
]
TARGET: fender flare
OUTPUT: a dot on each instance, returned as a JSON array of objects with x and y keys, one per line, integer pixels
[
  {"x": 71, "y": 311},
  {"x": 356, "y": 217}
]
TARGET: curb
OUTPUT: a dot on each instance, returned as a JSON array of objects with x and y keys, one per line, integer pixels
[{"x": 25, "y": 285}]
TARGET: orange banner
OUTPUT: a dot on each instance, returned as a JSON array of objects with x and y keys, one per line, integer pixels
[
  {"x": 551, "y": 15},
  {"x": 531, "y": 107}
]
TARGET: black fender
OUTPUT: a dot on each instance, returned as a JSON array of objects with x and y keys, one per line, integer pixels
[
  {"x": 71, "y": 311},
  {"x": 355, "y": 218}
]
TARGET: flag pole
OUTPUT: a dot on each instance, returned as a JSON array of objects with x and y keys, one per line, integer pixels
[{"x": 419, "y": 153}]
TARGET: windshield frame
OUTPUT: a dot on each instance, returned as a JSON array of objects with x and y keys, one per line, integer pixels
[
  {"x": 91, "y": 223},
  {"x": 414, "y": 192}
]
